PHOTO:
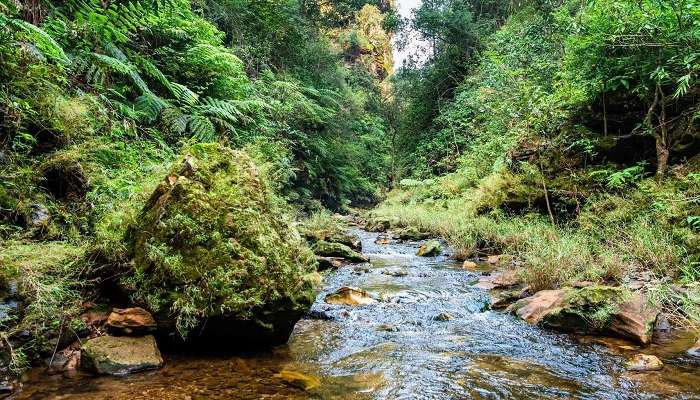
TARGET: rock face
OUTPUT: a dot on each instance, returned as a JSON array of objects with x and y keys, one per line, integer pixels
[
  {"x": 215, "y": 256},
  {"x": 430, "y": 248},
  {"x": 644, "y": 363},
  {"x": 328, "y": 249},
  {"x": 350, "y": 296},
  {"x": 602, "y": 310},
  {"x": 130, "y": 321},
  {"x": 120, "y": 355}
]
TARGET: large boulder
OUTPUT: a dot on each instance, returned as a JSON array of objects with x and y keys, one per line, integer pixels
[
  {"x": 120, "y": 355},
  {"x": 328, "y": 249},
  {"x": 215, "y": 255},
  {"x": 350, "y": 296},
  {"x": 602, "y": 310}
]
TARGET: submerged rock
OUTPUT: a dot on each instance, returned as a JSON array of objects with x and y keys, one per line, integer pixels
[
  {"x": 328, "y": 249},
  {"x": 298, "y": 379},
  {"x": 216, "y": 257},
  {"x": 120, "y": 355},
  {"x": 600, "y": 310},
  {"x": 350, "y": 296},
  {"x": 430, "y": 248},
  {"x": 443, "y": 316},
  {"x": 644, "y": 363},
  {"x": 130, "y": 321}
]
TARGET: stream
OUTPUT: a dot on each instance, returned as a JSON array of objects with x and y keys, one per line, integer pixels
[{"x": 397, "y": 349}]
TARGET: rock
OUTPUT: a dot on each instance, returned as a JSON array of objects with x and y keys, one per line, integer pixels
[
  {"x": 662, "y": 324},
  {"x": 398, "y": 272},
  {"x": 382, "y": 240},
  {"x": 350, "y": 296},
  {"x": 644, "y": 363},
  {"x": 505, "y": 298},
  {"x": 430, "y": 248},
  {"x": 387, "y": 328},
  {"x": 601, "y": 310},
  {"x": 328, "y": 249},
  {"x": 443, "y": 316},
  {"x": 64, "y": 361},
  {"x": 298, "y": 379},
  {"x": 133, "y": 321},
  {"x": 325, "y": 263},
  {"x": 470, "y": 265},
  {"x": 409, "y": 233},
  {"x": 227, "y": 252},
  {"x": 120, "y": 355},
  {"x": 378, "y": 224},
  {"x": 350, "y": 240},
  {"x": 499, "y": 280},
  {"x": 695, "y": 350},
  {"x": 493, "y": 259},
  {"x": 39, "y": 216}
]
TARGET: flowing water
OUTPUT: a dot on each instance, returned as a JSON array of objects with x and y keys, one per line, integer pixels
[{"x": 396, "y": 349}]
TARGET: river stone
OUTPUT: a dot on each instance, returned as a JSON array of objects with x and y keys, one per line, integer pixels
[
  {"x": 298, "y": 379},
  {"x": 493, "y": 259},
  {"x": 325, "y": 263},
  {"x": 120, "y": 355},
  {"x": 382, "y": 240},
  {"x": 470, "y": 265},
  {"x": 378, "y": 224},
  {"x": 644, "y": 363},
  {"x": 133, "y": 321},
  {"x": 573, "y": 310},
  {"x": 350, "y": 296},
  {"x": 328, "y": 249},
  {"x": 430, "y": 248}
]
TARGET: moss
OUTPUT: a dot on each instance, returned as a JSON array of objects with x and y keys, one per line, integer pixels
[
  {"x": 328, "y": 249},
  {"x": 213, "y": 241},
  {"x": 594, "y": 304}
]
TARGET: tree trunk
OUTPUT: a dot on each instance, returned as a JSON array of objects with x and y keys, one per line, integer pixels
[{"x": 661, "y": 134}]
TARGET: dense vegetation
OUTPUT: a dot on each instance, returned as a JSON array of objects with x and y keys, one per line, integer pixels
[
  {"x": 98, "y": 98},
  {"x": 561, "y": 133}
]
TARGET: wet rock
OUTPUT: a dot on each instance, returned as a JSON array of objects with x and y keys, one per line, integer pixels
[
  {"x": 409, "y": 233},
  {"x": 443, "y": 316},
  {"x": 361, "y": 270},
  {"x": 378, "y": 224},
  {"x": 644, "y": 363},
  {"x": 350, "y": 296},
  {"x": 399, "y": 272},
  {"x": 505, "y": 298},
  {"x": 662, "y": 325},
  {"x": 325, "y": 263},
  {"x": 120, "y": 355},
  {"x": 298, "y": 379},
  {"x": 39, "y": 217},
  {"x": 133, "y": 321},
  {"x": 387, "y": 328},
  {"x": 382, "y": 240},
  {"x": 430, "y": 248},
  {"x": 328, "y": 249},
  {"x": 470, "y": 265},
  {"x": 695, "y": 350},
  {"x": 64, "y": 361},
  {"x": 601, "y": 310},
  {"x": 493, "y": 259}
]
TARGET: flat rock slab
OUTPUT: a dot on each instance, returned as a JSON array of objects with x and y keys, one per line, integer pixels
[
  {"x": 130, "y": 321},
  {"x": 121, "y": 355}
]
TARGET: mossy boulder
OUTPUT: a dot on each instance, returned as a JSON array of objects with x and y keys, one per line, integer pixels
[
  {"x": 410, "y": 233},
  {"x": 378, "y": 224},
  {"x": 120, "y": 355},
  {"x": 216, "y": 256},
  {"x": 328, "y": 249},
  {"x": 601, "y": 310},
  {"x": 430, "y": 248}
]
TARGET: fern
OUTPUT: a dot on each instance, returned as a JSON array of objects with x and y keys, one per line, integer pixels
[{"x": 43, "y": 41}]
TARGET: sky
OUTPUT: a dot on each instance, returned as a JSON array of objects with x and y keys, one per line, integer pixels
[{"x": 405, "y": 9}]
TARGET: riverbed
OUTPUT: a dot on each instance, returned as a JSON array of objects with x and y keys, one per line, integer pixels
[{"x": 431, "y": 335}]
